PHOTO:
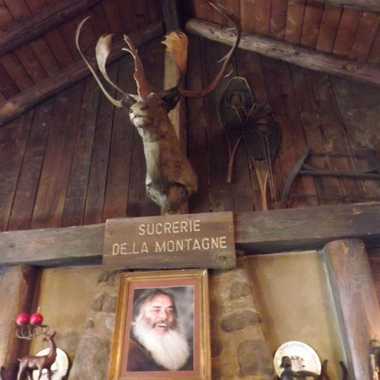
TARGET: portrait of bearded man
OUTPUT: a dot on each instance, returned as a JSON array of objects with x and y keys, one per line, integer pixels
[{"x": 158, "y": 340}]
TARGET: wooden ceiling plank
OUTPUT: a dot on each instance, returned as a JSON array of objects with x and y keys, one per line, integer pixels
[
  {"x": 311, "y": 24},
  {"x": 40, "y": 23},
  {"x": 346, "y": 32},
  {"x": 16, "y": 71},
  {"x": 246, "y": 20},
  {"x": 278, "y": 18},
  {"x": 59, "y": 48},
  {"x": 31, "y": 63},
  {"x": 262, "y": 16},
  {"x": 374, "y": 55},
  {"x": 113, "y": 15},
  {"x": 7, "y": 86},
  {"x": 365, "y": 36},
  {"x": 363, "y": 5},
  {"x": 329, "y": 28},
  {"x": 68, "y": 77},
  {"x": 296, "y": 55},
  {"x": 295, "y": 16}
]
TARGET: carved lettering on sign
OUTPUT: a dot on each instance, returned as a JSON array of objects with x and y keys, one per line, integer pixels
[{"x": 174, "y": 241}]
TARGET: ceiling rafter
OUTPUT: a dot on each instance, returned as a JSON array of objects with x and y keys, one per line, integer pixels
[
  {"x": 72, "y": 74},
  {"x": 24, "y": 31}
]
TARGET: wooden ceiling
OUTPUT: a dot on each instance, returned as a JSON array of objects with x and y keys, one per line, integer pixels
[{"x": 38, "y": 57}]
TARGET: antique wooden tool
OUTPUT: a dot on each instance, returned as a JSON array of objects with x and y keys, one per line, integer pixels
[
  {"x": 301, "y": 168},
  {"x": 170, "y": 179}
]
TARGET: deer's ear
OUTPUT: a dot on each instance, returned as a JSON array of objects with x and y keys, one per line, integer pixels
[{"x": 170, "y": 98}]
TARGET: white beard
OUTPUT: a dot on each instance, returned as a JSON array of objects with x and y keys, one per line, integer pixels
[{"x": 170, "y": 350}]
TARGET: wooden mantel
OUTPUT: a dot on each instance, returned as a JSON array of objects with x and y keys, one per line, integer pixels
[{"x": 255, "y": 232}]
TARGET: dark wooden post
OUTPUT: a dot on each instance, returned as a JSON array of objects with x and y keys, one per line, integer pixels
[{"x": 356, "y": 303}]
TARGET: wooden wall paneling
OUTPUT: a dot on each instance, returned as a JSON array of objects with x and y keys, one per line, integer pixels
[
  {"x": 141, "y": 14},
  {"x": 262, "y": 16},
  {"x": 7, "y": 86},
  {"x": 154, "y": 11},
  {"x": 13, "y": 142},
  {"x": 329, "y": 28},
  {"x": 220, "y": 195},
  {"x": 112, "y": 12},
  {"x": 197, "y": 129},
  {"x": 58, "y": 159},
  {"x": 119, "y": 167},
  {"x": 365, "y": 36},
  {"x": 278, "y": 88},
  {"x": 233, "y": 7},
  {"x": 100, "y": 156},
  {"x": 349, "y": 23},
  {"x": 205, "y": 12},
  {"x": 75, "y": 201},
  {"x": 247, "y": 10},
  {"x": 278, "y": 18},
  {"x": 304, "y": 192},
  {"x": 311, "y": 24},
  {"x": 294, "y": 23},
  {"x": 309, "y": 112},
  {"x": 335, "y": 133},
  {"x": 127, "y": 15},
  {"x": 245, "y": 189},
  {"x": 374, "y": 55},
  {"x": 99, "y": 21},
  {"x": 59, "y": 48},
  {"x": 31, "y": 168}
]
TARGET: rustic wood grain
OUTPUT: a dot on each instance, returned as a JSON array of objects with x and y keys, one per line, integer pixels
[
  {"x": 355, "y": 300},
  {"x": 7, "y": 85},
  {"x": 278, "y": 18},
  {"x": 255, "y": 232},
  {"x": 374, "y": 55},
  {"x": 311, "y": 24},
  {"x": 365, "y": 5},
  {"x": 30, "y": 171},
  {"x": 18, "y": 104},
  {"x": 75, "y": 200},
  {"x": 58, "y": 158},
  {"x": 329, "y": 28},
  {"x": 125, "y": 246},
  {"x": 292, "y": 54},
  {"x": 262, "y": 16},
  {"x": 197, "y": 129},
  {"x": 365, "y": 36},
  {"x": 12, "y": 154},
  {"x": 247, "y": 9},
  {"x": 100, "y": 157},
  {"x": 295, "y": 16},
  {"x": 16, "y": 71},
  {"x": 346, "y": 33}
]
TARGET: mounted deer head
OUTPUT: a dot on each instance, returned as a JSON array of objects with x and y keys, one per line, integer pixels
[{"x": 170, "y": 179}]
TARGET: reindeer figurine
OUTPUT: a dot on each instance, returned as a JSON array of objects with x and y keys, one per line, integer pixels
[
  {"x": 170, "y": 179},
  {"x": 30, "y": 363}
]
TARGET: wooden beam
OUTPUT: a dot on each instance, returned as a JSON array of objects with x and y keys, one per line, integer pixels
[
  {"x": 355, "y": 301},
  {"x": 50, "y": 86},
  {"x": 255, "y": 232},
  {"x": 296, "y": 55},
  {"x": 363, "y": 5},
  {"x": 48, "y": 18}
]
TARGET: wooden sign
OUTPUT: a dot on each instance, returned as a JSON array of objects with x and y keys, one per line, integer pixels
[{"x": 173, "y": 241}]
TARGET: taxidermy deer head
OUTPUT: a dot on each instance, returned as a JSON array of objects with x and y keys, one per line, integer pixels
[{"x": 170, "y": 179}]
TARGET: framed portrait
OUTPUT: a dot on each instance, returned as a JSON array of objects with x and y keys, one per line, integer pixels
[{"x": 162, "y": 327}]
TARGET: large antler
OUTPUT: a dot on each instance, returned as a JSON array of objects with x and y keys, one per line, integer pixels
[
  {"x": 103, "y": 50},
  {"x": 172, "y": 43}
]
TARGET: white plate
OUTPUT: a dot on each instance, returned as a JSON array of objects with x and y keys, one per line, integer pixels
[
  {"x": 59, "y": 368},
  {"x": 303, "y": 357}
]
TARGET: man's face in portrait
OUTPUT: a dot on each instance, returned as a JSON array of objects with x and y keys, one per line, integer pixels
[
  {"x": 159, "y": 314},
  {"x": 158, "y": 329}
]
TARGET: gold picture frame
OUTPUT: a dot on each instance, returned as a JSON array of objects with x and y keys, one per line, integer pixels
[{"x": 183, "y": 310}]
